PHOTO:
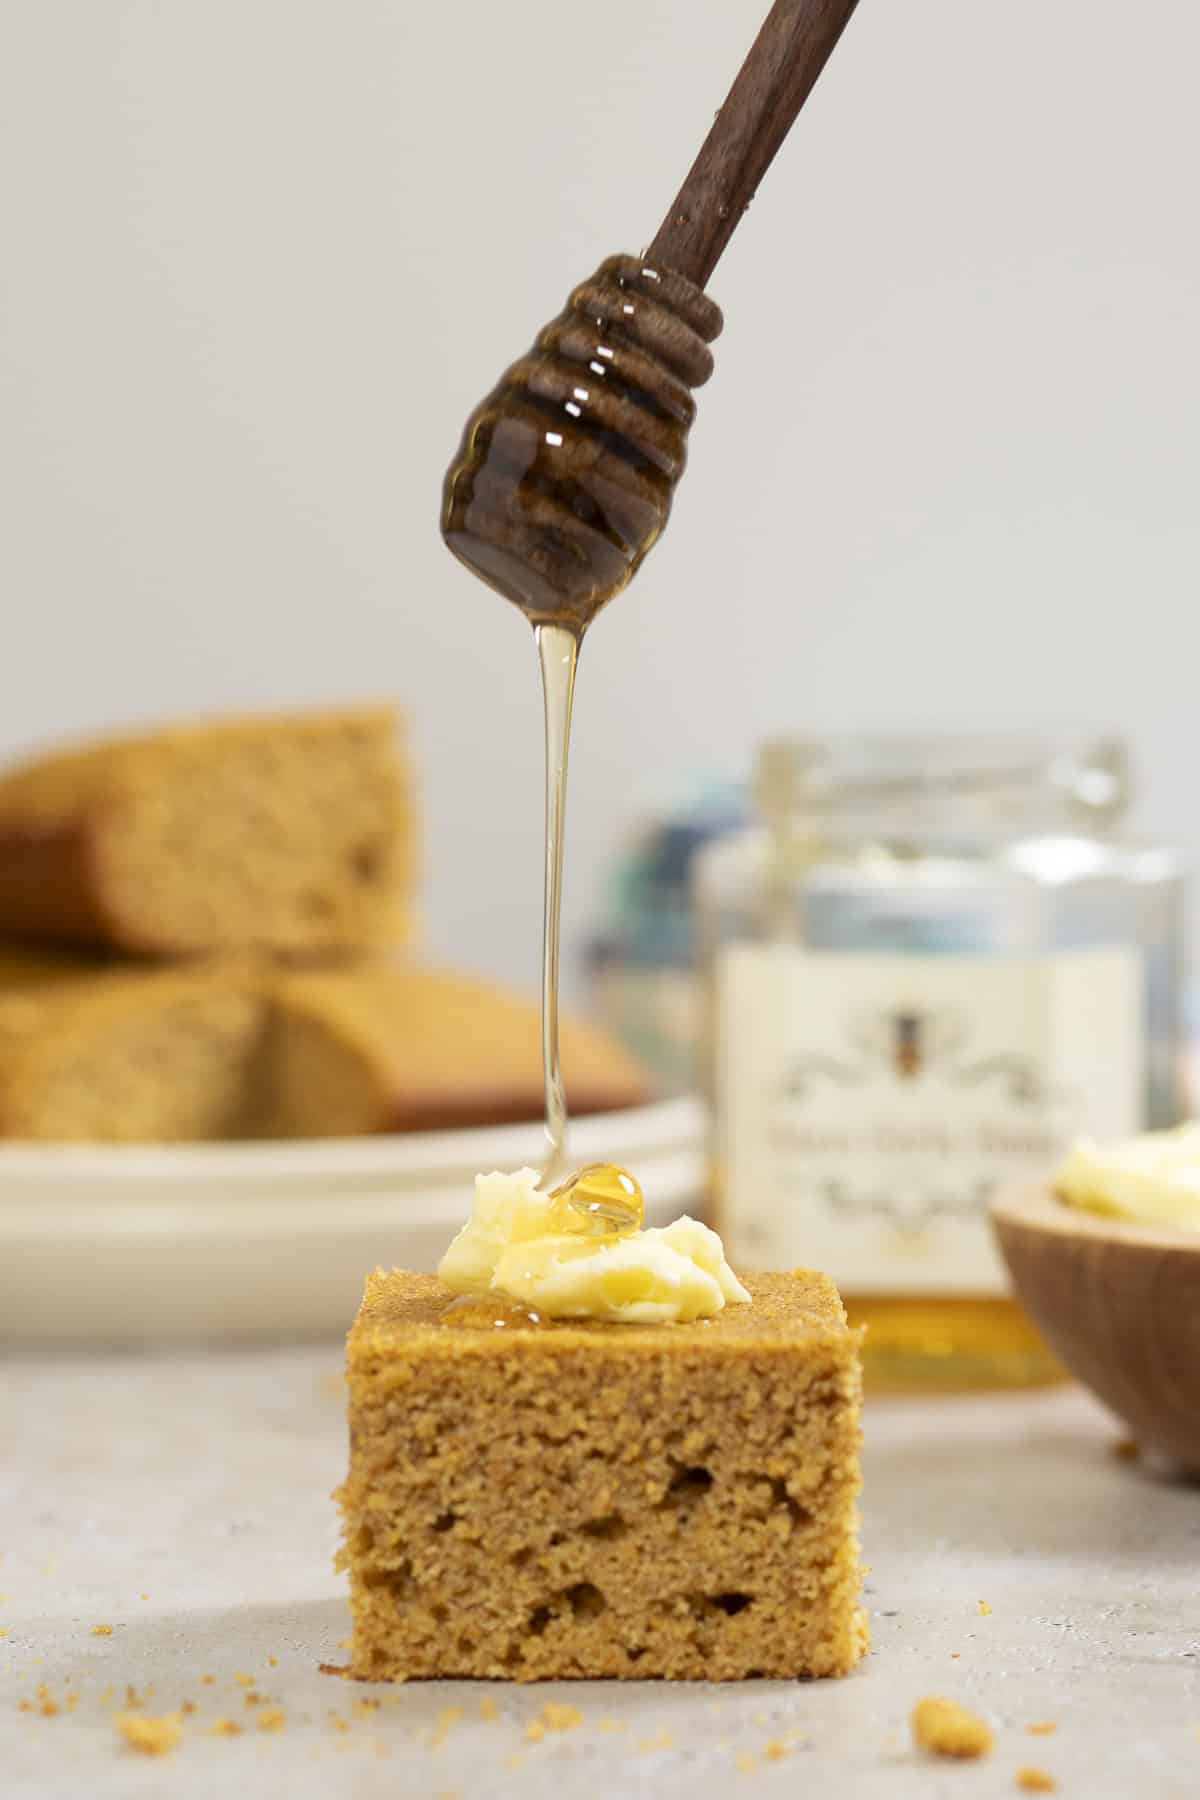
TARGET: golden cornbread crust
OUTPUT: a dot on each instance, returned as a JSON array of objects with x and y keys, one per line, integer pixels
[
  {"x": 291, "y": 831},
  {"x": 588, "y": 1500}
]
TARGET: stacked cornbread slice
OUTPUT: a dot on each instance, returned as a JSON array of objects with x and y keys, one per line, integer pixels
[
  {"x": 200, "y": 933},
  {"x": 288, "y": 833}
]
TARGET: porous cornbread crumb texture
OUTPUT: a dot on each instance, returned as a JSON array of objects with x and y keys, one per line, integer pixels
[
  {"x": 590, "y": 1500},
  {"x": 291, "y": 831},
  {"x": 946, "y": 1729}
]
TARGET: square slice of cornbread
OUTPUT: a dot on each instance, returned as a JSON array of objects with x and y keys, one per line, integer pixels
[{"x": 579, "y": 1499}]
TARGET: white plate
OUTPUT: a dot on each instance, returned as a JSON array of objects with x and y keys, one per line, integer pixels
[{"x": 129, "y": 1244}]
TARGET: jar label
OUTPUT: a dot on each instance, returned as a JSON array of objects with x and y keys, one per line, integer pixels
[{"x": 868, "y": 1107}]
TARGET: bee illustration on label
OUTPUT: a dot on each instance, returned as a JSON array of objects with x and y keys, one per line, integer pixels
[
  {"x": 906, "y": 1053},
  {"x": 912, "y": 1112},
  {"x": 909, "y": 1039}
]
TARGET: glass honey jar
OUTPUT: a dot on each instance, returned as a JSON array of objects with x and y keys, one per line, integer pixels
[{"x": 929, "y": 965}]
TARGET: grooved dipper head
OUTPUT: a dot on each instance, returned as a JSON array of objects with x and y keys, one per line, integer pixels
[{"x": 565, "y": 474}]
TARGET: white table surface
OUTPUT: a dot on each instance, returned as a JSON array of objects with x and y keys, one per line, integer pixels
[{"x": 184, "y": 1501}]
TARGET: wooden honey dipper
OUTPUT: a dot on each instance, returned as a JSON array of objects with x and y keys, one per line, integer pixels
[
  {"x": 565, "y": 474},
  {"x": 564, "y": 477}
]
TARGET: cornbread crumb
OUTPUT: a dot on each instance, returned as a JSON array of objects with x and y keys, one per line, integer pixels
[
  {"x": 208, "y": 1681},
  {"x": 984, "y": 1607},
  {"x": 151, "y": 1736},
  {"x": 535, "y": 1731},
  {"x": 254, "y": 1698},
  {"x": 101, "y": 1630},
  {"x": 1042, "y": 1727},
  {"x": 946, "y": 1729},
  {"x": 271, "y": 1718},
  {"x": 345, "y": 1643},
  {"x": 1035, "y": 1781},
  {"x": 561, "y": 1718},
  {"x": 106, "y": 1696},
  {"x": 188, "y": 1707},
  {"x": 745, "y": 1762},
  {"x": 775, "y": 1749},
  {"x": 610, "y": 1725},
  {"x": 49, "y": 1709},
  {"x": 488, "y": 1708},
  {"x": 449, "y": 1715},
  {"x": 363, "y": 1709},
  {"x": 244, "y": 1680},
  {"x": 273, "y": 1661},
  {"x": 226, "y": 1728}
]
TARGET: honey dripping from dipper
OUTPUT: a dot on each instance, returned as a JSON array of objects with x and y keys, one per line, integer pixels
[{"x": 562, "y": 483}]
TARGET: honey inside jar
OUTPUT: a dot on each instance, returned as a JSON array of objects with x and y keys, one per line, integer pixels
[{"x": 601, "y": 1200}]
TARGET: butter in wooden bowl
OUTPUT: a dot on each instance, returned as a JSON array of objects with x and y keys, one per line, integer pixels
[
  {"x": 1105, "y": 1256},
  {"x": 1152, "y": 1179}
]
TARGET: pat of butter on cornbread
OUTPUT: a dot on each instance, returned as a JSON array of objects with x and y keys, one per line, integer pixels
[{"x": 677, "y": 1272}]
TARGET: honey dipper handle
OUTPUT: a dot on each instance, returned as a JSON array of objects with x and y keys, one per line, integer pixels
[{"x": 772, "y": 85}]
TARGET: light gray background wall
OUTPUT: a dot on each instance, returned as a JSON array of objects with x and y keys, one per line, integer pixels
[{"x": 260, "y": 257}]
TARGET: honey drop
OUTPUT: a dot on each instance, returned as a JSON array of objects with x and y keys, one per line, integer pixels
[
  {"x": 602, "y": 1200},
  {"x": 489, "y": 1312}
]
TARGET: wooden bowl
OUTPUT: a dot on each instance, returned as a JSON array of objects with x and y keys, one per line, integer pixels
[{"x": 1119, "y": 1304}]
